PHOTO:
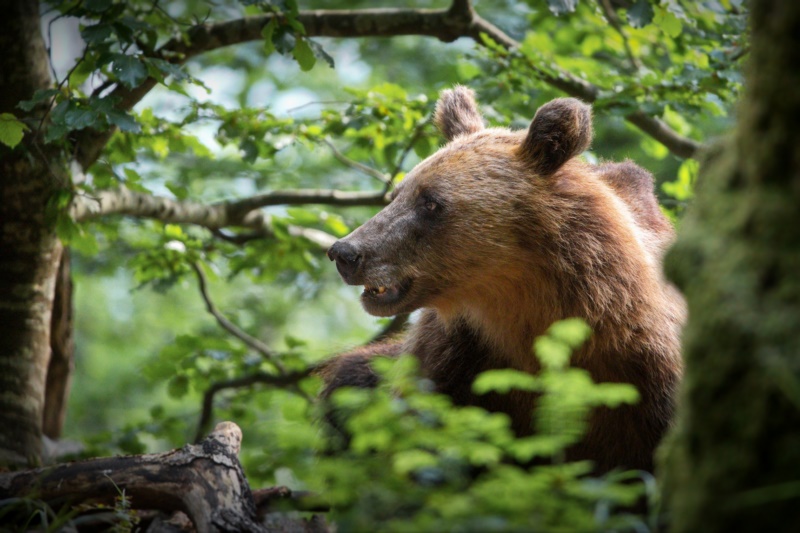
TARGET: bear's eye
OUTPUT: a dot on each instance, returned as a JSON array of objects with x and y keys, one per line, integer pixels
[{"x": 428, "y": 204}]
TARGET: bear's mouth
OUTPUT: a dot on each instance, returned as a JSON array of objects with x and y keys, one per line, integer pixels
[{"x": 379, "y": 299}]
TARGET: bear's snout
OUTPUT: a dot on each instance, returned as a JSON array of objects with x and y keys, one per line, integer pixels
[{"x": 347, "y": 259}]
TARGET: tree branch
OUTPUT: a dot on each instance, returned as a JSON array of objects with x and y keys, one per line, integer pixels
[
  {"x": 658, "y": 130},
  {"x": 447, "y": 25},
  {"x": 123, "y": 201},
  {"x": 304, "y": 197},
  {"x": 289, "y": 379},
  {"x": 364, "y": 169},
  {"x": 242, "y": 213},
  {"x": 232, "y": 328}
]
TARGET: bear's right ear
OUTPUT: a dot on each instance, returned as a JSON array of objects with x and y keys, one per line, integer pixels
[
  {"x": 457, "y": 113},
  {"x": 561, "y": 129}
]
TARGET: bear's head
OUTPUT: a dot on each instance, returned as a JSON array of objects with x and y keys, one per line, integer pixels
[{"x": 460, "y": 225}]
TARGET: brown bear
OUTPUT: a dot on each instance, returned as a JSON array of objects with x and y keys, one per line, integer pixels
[{"x": 498, "y": 235}]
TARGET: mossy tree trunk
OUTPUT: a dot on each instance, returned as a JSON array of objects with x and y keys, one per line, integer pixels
[
  {"x": 733, "y": 462},
  {"x": 29, "y": 248}
]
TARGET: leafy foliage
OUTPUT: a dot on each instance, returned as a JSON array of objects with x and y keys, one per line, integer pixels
[{"x": 461, "y": 467}]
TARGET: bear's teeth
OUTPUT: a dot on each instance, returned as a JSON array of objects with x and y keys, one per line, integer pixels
[{"x": 375, "y": 290}]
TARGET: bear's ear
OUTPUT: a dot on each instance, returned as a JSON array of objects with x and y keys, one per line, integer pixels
[
  {"x": 560, "y": 130},
  {"x": 457, "y": 113}
]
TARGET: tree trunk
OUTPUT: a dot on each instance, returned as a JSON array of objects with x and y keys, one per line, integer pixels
[
  {"x": 733, "y": 462},
  {"x": 29, "y": 249}
]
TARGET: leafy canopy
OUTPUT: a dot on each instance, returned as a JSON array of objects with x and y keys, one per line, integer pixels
[{"x": 273, "y": 115}]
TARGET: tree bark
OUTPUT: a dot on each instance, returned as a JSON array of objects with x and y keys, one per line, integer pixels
[
  {"x": 733, "y": 462},
  {"x": 29, "y": 249}
]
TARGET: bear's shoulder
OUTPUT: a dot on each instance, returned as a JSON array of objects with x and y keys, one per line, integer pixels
[{"x": 636, "y": 187}]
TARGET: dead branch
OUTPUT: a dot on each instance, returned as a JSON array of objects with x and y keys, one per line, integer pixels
[{"x": 205, "y": 481}]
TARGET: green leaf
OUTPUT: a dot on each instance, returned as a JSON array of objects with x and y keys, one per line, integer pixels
[
  {"x": 129, "y": 70},
  {"x": 11, "y": 130},
  {"x": 78, "y": 117},
  {"x": 405, "y": 462},
  {"x": 559, "y": 7},
  {"x": 124, "y": 121},
  {"x": 96, "y": 33},
  {"x": 304, "y": 55},
  {"x": 284, "y": 40},
  {"x": 571, "y": 331},
  {"x": 667, "y": 21},
  {"x": 320, "y": 53},
  {"x": 54, "y": 132},
  {"x": 294, "y": 342},
  {"x": 38, "y": 97},
  {"x": 267, "y": 32},
  {"x": 682, "y": 188},
  {"x": 97, "y": 6},
  {"x": 614, "y": 394},
  {"x": 249, "y": 150},
  {"x": 640, "y": 14},
  {"x": 553, "y": 353},
  {"x": 165, "y": 68},
  {"x": 525, "y": 449},
  {"x": 181, "y": 192},
  {"x": 302, "y": 216},
  {"x": 178, "y": 386},
  {"x": 503, "y": 380}
]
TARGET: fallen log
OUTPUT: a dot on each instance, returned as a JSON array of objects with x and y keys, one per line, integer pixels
[{"x": 205, "y": 481}]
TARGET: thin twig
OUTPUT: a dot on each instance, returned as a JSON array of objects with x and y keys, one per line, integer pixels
[
  {"x": 316, "y": 102},
  {"x": 285, "y": 380},
  {"x": 164, "y": 13},
  {"x": 409, "y": 145},
  {"x": 102, "y": 87},
  {"x": 239, "y": 238},
  {"x": 232, "y": 328},
  {"x": 364, "y": 169},
  {"x": 58, "y": 88},
  {"x": 743, "y": 51},
  {"x": 613, "y": 19}
]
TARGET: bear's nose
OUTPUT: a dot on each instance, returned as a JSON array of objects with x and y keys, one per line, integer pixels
[{"x": 347, "y": 258}]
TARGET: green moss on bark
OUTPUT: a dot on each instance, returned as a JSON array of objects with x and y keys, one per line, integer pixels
[{"x": 733, "y": 461}]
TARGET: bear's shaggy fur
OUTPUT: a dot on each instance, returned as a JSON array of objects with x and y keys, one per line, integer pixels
[{"x": 498, "y": 235}]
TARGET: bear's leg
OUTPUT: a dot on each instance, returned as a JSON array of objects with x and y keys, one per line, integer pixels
[{"x": 351, "y": 369}]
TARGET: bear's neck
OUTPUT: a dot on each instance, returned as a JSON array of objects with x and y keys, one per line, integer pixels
[{"x": 507, "y": 317}]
